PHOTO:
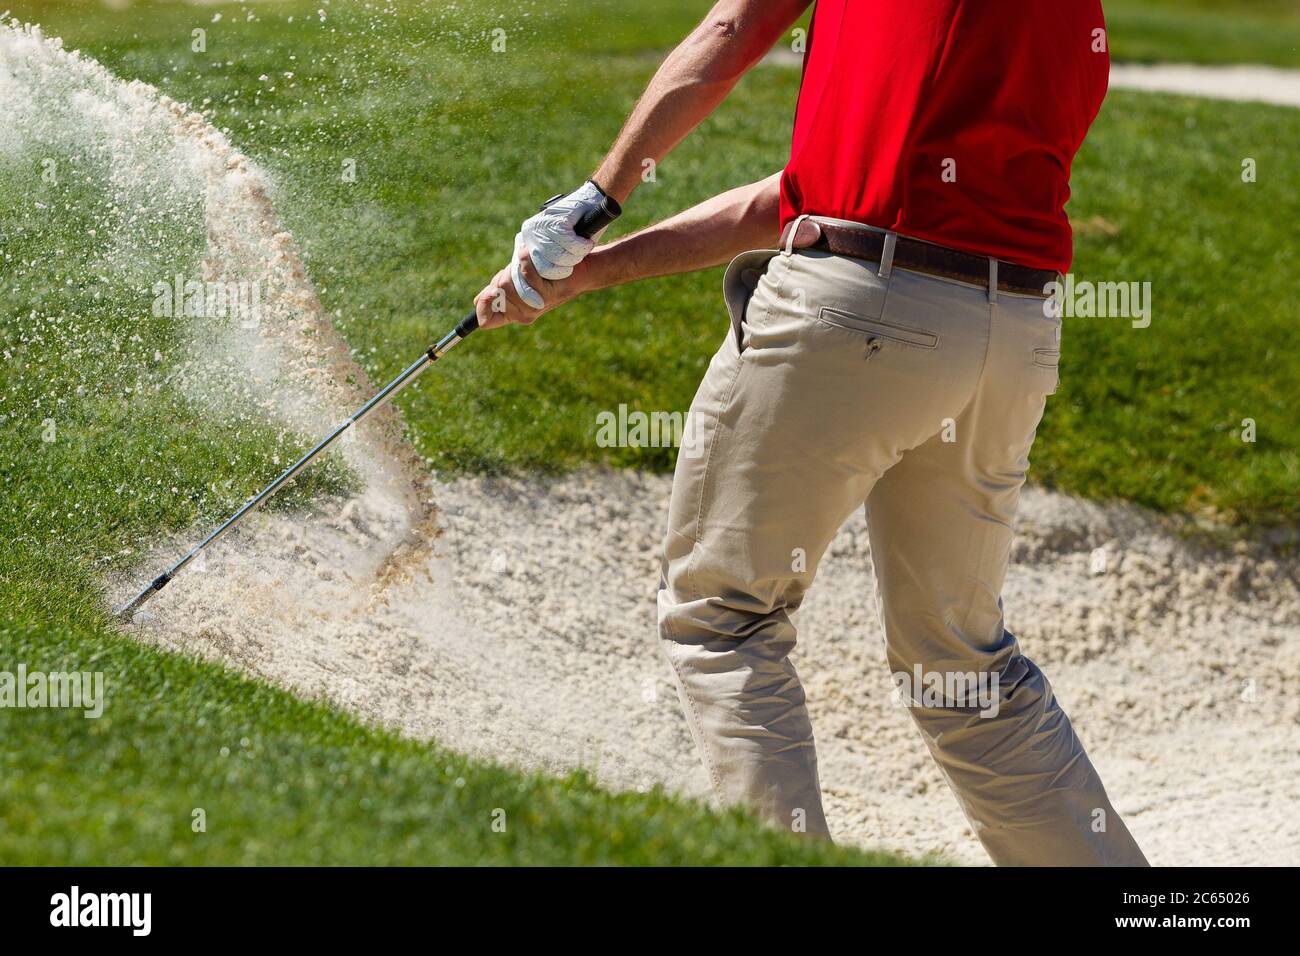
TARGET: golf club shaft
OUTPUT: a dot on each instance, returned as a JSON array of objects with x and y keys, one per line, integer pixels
[{"x": 434, "y": 352}]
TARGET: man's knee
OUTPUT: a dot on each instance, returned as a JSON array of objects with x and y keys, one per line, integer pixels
[
  {"x": 1007, "y": 732},
  {"x": 710, "y": 595}
]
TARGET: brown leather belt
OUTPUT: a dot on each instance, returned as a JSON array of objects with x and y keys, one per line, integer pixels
[{"x": 933, "y": 260}]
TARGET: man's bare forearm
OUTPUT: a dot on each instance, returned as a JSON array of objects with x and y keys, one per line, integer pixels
[
  {"x": 709, "y": 234},
  {"x": 690, "y": 84},
  {"x": 554, "y": 263}
]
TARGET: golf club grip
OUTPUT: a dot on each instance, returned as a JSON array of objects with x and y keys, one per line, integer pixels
[{"x": 592, "y": 221}]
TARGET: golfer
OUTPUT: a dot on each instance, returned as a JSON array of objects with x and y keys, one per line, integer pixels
[{"x": 891, "y": 346}]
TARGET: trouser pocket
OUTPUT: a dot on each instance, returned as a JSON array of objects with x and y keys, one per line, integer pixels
[
  {"x": 738, "y": 284},
  {"x": 875, "y": 327},
  {"x": 1050, "y": 359}
]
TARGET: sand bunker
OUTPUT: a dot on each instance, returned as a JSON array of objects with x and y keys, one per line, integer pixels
[
  {"x": 517, "y": 620},
  {"x": 1179, "y": 666},
  {"x": 1260, "y": 84}
]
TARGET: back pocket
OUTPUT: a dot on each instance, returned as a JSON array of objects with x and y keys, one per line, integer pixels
[
  {"x": 1050, "y": 359},
  {"x": 917, "y": 338}
]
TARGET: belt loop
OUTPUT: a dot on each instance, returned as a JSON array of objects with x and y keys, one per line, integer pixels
[
  {"x": 993, "y": 279},
  {"x": 887, "y": 255},
  {"x": 788, "y": 248}
]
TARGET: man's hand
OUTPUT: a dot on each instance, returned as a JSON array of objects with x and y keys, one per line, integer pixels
[
  {"x": 500, "y": 303},
  {"x": 551, "y": 240},
  {"x": 709, "y": 234}
]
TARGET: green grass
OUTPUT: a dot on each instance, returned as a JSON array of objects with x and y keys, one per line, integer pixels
[
  {"x": 451, "y": 152},
  {"x": 288, "y": 782},
  {"x": 1155, "y": 415},
  {"x": 1205, "y": 31}
]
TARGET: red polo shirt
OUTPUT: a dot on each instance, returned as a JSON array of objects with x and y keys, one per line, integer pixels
[{"x": 954, "y": 121}]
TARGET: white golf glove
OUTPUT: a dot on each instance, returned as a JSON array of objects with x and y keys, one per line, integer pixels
[{"x": 553, "y": 245}]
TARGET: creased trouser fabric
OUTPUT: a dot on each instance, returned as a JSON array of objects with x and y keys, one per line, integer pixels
[{"x": 920, "y": 398}]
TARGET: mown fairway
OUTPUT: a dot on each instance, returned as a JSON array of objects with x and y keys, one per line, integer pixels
[{"x": 1206, "y": 31}]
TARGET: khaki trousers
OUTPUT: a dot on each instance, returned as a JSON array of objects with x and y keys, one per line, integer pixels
[{"x": 841, "y": 384}]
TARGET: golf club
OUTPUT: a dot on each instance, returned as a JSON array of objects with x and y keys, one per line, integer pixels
[{"x": 591, "y": 223}]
